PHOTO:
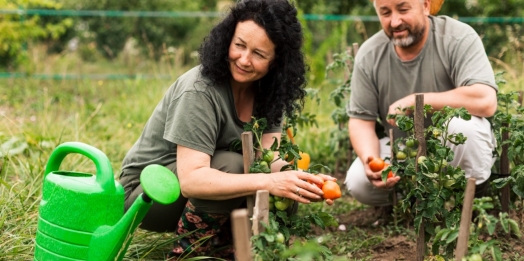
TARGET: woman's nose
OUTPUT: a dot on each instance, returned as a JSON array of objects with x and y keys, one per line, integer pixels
[{"x": 244, "y": 59}]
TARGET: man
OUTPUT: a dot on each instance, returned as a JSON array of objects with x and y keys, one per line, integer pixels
[{"x": 416, "y": 52}]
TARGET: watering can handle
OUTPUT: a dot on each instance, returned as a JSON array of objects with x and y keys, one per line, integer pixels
[{"x": 104, "y": 171}]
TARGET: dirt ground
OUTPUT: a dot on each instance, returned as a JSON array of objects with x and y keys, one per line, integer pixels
[
  {"x": 393, "y": 248},
  {"x": 400, "y": 247}
]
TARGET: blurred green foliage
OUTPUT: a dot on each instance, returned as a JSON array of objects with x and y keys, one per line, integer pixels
[
  {"x": 154, "y": 37},
  {"x": 17, "y": 30}
]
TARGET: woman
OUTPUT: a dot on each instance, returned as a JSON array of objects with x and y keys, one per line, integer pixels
[{"x": 251, "y": 65}]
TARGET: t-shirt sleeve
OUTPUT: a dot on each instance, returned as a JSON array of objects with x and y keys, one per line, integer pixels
[
  {"x": 363, "y": 101},
  {"x": 277, "y": 128},
  {"x": 192, "y": 122},
  {"x": 470, "y": 64}
]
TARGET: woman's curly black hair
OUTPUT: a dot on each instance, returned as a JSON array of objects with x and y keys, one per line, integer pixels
[{"x": 281, "y": 91}]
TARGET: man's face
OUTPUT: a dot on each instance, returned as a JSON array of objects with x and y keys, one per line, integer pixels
[{"x": 403, "y": 21}]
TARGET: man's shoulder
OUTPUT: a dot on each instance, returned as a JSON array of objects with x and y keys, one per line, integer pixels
[{"x": 445, "y": 26}]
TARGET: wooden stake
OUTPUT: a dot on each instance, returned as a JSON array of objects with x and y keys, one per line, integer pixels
[
  {"x": 260, "y": 211},
  {"x": 465, "y": 220},
  {"x": 504, "y": 170},
  {"x": 241, "y": 234},
  {"x": 395, "y": 200},
  {"x": 419, "y": 135},
  {"x": 249, "y": 156}
]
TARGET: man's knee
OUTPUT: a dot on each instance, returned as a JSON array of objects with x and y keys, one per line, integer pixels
[
  {"x": 362, "y": 190},
  {"x": 476, "y": 130}
]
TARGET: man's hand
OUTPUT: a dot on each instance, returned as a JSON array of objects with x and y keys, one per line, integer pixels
[
  {"x": 396, "y": 107},
  {"x": 376, "y": 179}
]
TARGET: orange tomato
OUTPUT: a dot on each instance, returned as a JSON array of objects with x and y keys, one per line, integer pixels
[
  {"x": 303, "y": 163},
  {"x": 331, "y": 190},
  {"x": 390, "y": 174},
  {"x": 376, "y": 164}
]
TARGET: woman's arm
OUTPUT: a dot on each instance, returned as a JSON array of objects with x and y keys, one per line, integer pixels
[{"x": 199, "y": 180}]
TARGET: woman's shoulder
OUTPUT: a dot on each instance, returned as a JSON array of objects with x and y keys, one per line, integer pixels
[
  {"x": 192, "y": 75},
  {"x": 193, "y": 81}
]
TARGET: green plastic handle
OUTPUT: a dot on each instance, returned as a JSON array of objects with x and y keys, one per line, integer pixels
[{"x": 104, "y": 171}]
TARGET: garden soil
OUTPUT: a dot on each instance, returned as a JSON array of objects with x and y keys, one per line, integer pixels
[{"x": 399, "y": 246}]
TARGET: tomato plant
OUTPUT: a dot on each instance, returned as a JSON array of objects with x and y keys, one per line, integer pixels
[
  {"x": 510, "y": 118},
  {"x": 433, "y": 191},
  {"x": 273, "y": 243}
]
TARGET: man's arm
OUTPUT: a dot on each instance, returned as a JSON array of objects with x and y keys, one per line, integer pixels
[
  {"x": 365, "y": 143},
  {"x": 479, "y": 99},
  {"x": 363, "y": 138}
]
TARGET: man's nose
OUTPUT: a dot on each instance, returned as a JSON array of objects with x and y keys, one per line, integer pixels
[{"x": 396, "y": 20}]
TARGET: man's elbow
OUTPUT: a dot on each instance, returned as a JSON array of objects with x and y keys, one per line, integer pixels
[{"x": 488, "y": 106}]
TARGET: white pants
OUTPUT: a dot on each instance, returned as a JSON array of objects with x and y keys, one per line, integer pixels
[{"x": 475, "y": 157}]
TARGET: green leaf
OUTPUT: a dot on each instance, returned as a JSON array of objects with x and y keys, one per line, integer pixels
[
  {"x": 514, "y": 226},
  {"x": 274, "y": 146},
  {"x": 491, "y": 224},
  {"x": 501, "y": 182},
  {"x": 518, "y": 191},
  {"x": 317, "y": 168},
  {"x": 496, "y": 254},
  {"x": 504, "y": 221},
  {"x": 452, "y": 236},
  {"x": 431, "y": 175},
  {"x": 269, "y": 238}
]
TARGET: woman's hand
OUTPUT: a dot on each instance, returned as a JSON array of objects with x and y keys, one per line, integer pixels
[{"x": 298, "y": 185}]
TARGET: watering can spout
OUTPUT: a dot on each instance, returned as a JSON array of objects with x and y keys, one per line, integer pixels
[{"x": 111, "y": 242}]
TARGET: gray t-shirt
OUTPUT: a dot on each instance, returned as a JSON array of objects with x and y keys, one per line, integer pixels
[
  {"x": 192, "y": 114},
  {"x": 453, "y": 56}
]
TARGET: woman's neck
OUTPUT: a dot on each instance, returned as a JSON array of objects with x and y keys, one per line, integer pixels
[{"x": 244, "y": 98}]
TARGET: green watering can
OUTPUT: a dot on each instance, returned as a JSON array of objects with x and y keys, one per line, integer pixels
[{"x": 81, "y": 216}]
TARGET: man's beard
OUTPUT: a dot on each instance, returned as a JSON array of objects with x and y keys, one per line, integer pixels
[{"x": 414, "y": 36}]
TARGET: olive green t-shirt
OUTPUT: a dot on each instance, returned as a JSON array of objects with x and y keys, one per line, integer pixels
[
  {"x": 192, "y": 114},
  {"x": 453, "y": 56}
]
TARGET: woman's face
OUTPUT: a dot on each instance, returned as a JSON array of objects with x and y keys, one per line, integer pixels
[{"x": 250, "y": 53}]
